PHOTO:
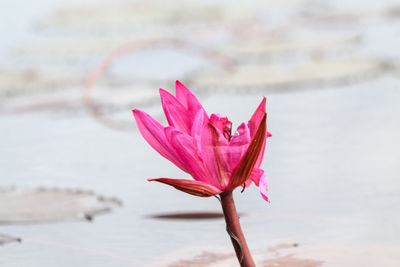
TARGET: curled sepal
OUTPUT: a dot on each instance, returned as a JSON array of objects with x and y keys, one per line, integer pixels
[
  {"x": 196, "y": 188},
  {"x": 249, "y": 160}
]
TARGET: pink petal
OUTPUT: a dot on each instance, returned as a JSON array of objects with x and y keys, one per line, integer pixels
[
  {"x": 221, "y": 154},
  {"x": 196, "y": 188},
  {"x": 188, "y": 100},
  {"x": 208, "y": 155},
  {"x": 186, "y": 148},
  {"x": 238, "y": 145},
  {"x": 194, "y": 107},
  {"x": 199, "y": 123},
  {"x": 175, "y": 112},
  {"x": 181, "y": 93},
  {"x": 153, "y": 132},
  {"x": 247, "y": 183},
  {"x": 217, "y": 156},
  {"x": 222, "y": 123},
  {"x": 256, "y": 175},
  {"x": 260, "y": 179},
  {"x": 263, "y": 186}
]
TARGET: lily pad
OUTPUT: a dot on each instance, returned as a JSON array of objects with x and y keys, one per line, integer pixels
[
  {"x": 285, "y": 254},
  {"x": 4, "y": 239},
  {"x": 278, "y": 46},
  {"x": 247, "y": 77},
  {"x": 45, "y": 205}
]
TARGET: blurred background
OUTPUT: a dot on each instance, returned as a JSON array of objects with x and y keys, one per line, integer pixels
[{"x": 72, "y": 71}]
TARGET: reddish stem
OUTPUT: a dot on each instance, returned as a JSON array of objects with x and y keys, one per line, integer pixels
[{"x": 235, "y": 231}]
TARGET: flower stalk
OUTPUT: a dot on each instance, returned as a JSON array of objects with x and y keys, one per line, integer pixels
[{"x": 235, "y": 231}]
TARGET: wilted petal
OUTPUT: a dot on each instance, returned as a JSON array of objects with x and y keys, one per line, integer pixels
[
  {"x": 196, "y": 188},
  {"x": 153, "y": 132},
  {"x": 248, "y": 162},
  {"x": 175, "y": 112}
]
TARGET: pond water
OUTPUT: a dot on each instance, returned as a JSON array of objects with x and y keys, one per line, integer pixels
[{"x": 332, "y": 162}]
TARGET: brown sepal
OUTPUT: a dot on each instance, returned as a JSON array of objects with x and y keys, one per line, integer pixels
[
  {"x": 196, "y": 188},
  {"x": 246, "y": 166}
]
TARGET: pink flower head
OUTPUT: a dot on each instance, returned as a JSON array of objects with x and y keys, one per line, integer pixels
[{"x": 204, "y": 147}]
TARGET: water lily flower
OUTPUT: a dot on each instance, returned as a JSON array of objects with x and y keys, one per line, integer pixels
[{"x": 204, "y": 146}]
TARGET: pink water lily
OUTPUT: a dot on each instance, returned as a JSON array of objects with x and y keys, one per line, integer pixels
[{"x": 204, "y": 147}]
